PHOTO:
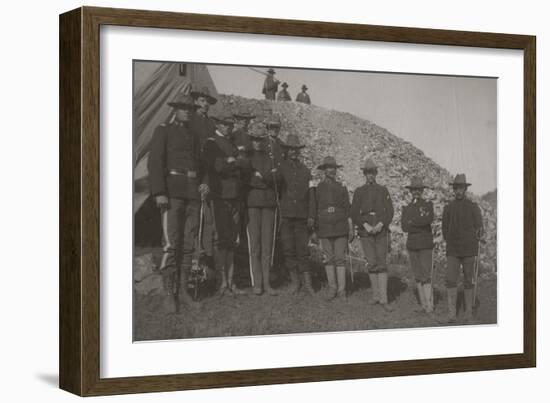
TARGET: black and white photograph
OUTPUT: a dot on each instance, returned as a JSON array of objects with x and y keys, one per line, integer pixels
[{"x": 281, "y": 200}]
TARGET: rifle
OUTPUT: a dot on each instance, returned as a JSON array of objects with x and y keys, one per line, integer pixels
[
  {"x": 197, "y": 271},
  {"x": 278, "y": 207},
  {"x": 475, "y": 302}
]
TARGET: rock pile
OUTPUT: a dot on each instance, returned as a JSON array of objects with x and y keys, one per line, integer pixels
[{"x": 350, "y": 140}]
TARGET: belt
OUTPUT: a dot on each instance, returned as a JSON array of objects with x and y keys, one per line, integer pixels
[{"x": 183, "y": 172}]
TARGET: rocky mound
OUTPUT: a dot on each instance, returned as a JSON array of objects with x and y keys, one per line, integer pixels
[{"x": 351, "y": 139}]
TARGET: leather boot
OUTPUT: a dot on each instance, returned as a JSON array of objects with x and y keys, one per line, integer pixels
[
  {"x": 308, "y": 285},
  {"x": 170, "y": 302},
  {"x": 183, "y": 294},
  {"x": 451, "y": 304},
  {"x": 375, "y": 298},
  {"x": 422, "y": 297},
  {"x": 267, "y": 287},
  {"x": 468, "y": 303},
  {"x": 341, "y": 276},
  {"x": 294, "y": 285},
  {"x": 331, "y": 280},
  {"x": 383, "y": 285},
  {"x": 428, "y": 295}
]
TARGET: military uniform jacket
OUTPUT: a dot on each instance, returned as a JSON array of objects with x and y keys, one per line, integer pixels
[
  {"x": 173, "y": 164},
  {"x": 416, "y": 220},
  {"x": 203, "y": 126},
  {"x": 261, "y": 191},
  {"x": 283, "y": 95},
  {"x": 371, "y": 204},
  {"x": 331, "y": 209},
  {"x": 224, "y": 177},
  {"x": 461, "y": 221},
  {"x": 270, "y": 88},
  {"x": 303, "y": 97},
  {"x": 295, "y": 191}
]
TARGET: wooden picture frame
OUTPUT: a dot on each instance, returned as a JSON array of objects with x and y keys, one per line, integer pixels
[{"x": 79, "y": 346}]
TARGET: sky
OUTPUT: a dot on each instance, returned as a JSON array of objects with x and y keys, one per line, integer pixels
[{"x": 451, "y": 119}]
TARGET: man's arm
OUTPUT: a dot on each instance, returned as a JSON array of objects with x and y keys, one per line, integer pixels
[
  {"x": 156, "y": 164},
  {"x": 405, "y": 219},
  {"x": 445, "y": 222},
  {"x": 389, "y": 212},
  {"x": 478, "y": 221}
]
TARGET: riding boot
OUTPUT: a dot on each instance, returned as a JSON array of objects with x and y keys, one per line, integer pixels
[
  {"x": 294, "y": 285},
  {"x": 341, "y": 276},
  {"x": 183, "y": 294},
  {"x": 383, "y": 285},
  {"x": 331, "y": 280},
  {"x": 422, "y": 297},
  {"x": 219, "y": 260},
  {"x": 451, "y": 304},
  {"x": 468, "y": 303},
  {"x": 308, "y": 286},
  {"x": 170, "y": 302},
  {"x": 428, "y": 295},
  {"x": 267, "y": 287},
  {"x": 375, "y": 298}
]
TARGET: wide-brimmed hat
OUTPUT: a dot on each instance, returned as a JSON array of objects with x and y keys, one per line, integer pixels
[
  {"x": 284, "y": 85},
  {"x": 182, "y": 101},
  {"x": 271, "y": 71},
  {"x": 292, "y": 141},
  {"x": 369, "y": 165},
  {"x": 204, "y": 92},
  {"x": 223, "y": 118},
  {"x": 460, "y": 180},
  {"x": 329, "y": 162},
  {"x": 416, "y": 183},
  {"x": 273, "y": 121},
  {"x": 304, "y": 87},
  {"x": 243, "y": 114}
]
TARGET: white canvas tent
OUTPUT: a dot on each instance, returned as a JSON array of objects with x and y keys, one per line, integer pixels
[{"x": 155, "y": 84}]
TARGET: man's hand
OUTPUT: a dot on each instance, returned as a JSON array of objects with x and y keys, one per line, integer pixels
[
  {"x": 161, "y": 201},
  {"x": 368, "y": 228},
  {"x": 480, "y": 234},
  {"x": 259, "y": 175},
  {"x": 274, "y": 170},
  {"x": 204, "y": 190},
  {"x": 378, "y": 227},
  {"x": 230, "y": 160},
  {"x": 314, "y": 239},
  {"x": 311, "y": 223},
  {"x": 351, "y": 234}
]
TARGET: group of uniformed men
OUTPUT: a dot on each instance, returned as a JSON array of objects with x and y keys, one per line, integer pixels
[
  {"x": 271, "y": 87},
  {"x": 212, "y": 168}
]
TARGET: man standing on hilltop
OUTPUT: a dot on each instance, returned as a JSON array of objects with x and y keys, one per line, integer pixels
[
  {"x": 271, "y": 85},
  {"x": 462, "y": 230},
  {"x": 303, "y": 96},
  {"x": 283, "y": 95},
  {"x": 372, "y": 212}
]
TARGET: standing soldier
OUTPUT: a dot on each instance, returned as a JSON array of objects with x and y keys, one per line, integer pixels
[
  {"x": 296, "y": 215},
  {"x": 261, "y": 202},
  {"x": 462, "y": 229},
  {"x": 303, "y": 96},
  {"x": 225, "y": 169},
  {"x": 241, "y": 137},
  {"x": 204, "y": 127},
  {"x": 283, "y": 95},
  {"x": 174, "y": 177},
  {"x": 372, "y": 213},
  {"x": 274, "y": 143},
  {"x": 271, "y": 85},
  {"x": 332, "y": 212},
  {"x": 416, "y": 221}
]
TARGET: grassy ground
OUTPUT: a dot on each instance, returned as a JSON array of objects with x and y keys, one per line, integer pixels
[{"x": 283, "y": 314}]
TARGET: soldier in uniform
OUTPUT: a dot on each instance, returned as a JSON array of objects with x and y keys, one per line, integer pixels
[
  {"x": 416, "y": 221},
  {"x": 261, "y": 203},
  {"x": 204, "y": 127},
  {"x": 303, "y": 96},
  {"x": 175, "y": 178},
  {"x": 274, "y": 143},
  {"x": 372, "y": 212},
  {"x": 271, "y": 85},
  {"x": 462, "y": 230},
  {"x": 226, "y": 168},
  {"x": 283, "y": 95},
  {"x": 295, "y": 215},
  {"x": 334, "y": 228},
  {"x": 241, "y": 137}
]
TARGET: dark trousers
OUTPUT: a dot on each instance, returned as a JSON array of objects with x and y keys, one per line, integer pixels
[
  {"x": 260, "y": 242},
  {"x": 179, "y": 230},
  {"x": 294, "y": 237},
  {"x": 453, "y": 270},
  {"x": 421, "y": 264},
  {"x": 227, "y": 223},
  {"x": 375, "y": 248}
]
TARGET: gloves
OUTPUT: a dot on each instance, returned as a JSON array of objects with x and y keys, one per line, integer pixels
[{"x": 162, "y": 202}]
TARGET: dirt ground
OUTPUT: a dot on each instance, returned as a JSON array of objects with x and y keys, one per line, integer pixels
[{"x": 301, "y": 313}]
